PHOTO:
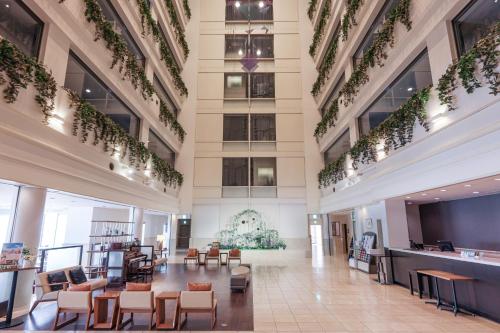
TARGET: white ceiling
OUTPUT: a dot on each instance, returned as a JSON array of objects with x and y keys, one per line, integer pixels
[{"x": 471, "y": 189}]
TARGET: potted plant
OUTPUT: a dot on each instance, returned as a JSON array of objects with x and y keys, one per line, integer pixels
[{"x": 29, "y": 258}]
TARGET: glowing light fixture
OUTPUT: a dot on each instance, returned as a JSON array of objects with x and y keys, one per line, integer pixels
[
  {"x": 410, "y": 89},
  {"x": 424, "y": 194},
  {"x": 261, "y": 4},
  {"x": 88, "y": 91},
  {"x": 240, "y": 52},
  {"x": 237, "y": 4},
  {"x": 259, "y": 52},
  {"x": 443, "y": 190},
  {"x": 467, "y": 185},
  {"x": 475, "y": 192}
]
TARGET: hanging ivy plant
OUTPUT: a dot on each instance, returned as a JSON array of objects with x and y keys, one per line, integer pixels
[
  {"x": 484, "y": 52},
  {"x": 312, "y": 8},
  {"x": 150, "y": 26},
  {"x": 320, "y": 28},
  {"x": 168, "y": 118},
  {"x": 89, "y": 120},
  {"x": 187, "y": 9},
  {"x": 349, "y": 18},
  {"x": 328, "y": 119},
  {"x": 394, "y": 132},
  {"x": 179, "y": 32},
  {"x": 326, "y": 65},
  {"x": 17, "y": 70}
]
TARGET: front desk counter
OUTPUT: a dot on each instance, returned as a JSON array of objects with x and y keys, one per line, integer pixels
[{"x": 481, "y": 296}]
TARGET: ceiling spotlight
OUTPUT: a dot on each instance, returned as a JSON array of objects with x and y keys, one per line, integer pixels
[
  {"x": 259, "y": 52},
  {"x": 237, "y": 4},
  {"x": 467, "y": 185},
  {"x": 498, "y": 179},
  {"x": 443, "y": 190},
  {"x": 7, "y": 5},
  {"x": 88, "y": 91},
  {"x": 410, "y": 89},
  {"x": 240, "y": 52},
  {"x": 408, "y": 197},
  {"x": 436, "y": 198},
  {"x": 424, "y": 194},
  {"x": 475, "y": 192},
  {"x": 261, "y": 4}
]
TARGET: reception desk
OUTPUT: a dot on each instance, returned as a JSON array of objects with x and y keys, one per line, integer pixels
[{"x": 479, "y": 296}]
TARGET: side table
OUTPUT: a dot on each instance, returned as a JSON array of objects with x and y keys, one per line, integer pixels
[
  {"x": 225, "y": 254},
  {"x": 101, "y": 318},
  {"x": 162, "y": 322}
]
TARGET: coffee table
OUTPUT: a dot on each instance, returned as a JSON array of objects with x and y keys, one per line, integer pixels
[
  {"x": 101, "y": 318},
  {"x": 162, "y": 322}
]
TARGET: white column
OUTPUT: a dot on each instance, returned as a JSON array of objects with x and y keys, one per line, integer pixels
[
  {"x": 139, "y": 220},
  {"x": 27, "y": 229}
]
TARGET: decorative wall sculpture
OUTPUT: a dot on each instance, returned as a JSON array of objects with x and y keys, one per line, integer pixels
[{"x": 248, "y": 230}]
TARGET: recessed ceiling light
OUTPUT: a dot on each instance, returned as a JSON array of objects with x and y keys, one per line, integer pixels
[
  {"x": 259, "y": 52},
  {"x": 408, "y": 197},
  {"x": 436, "y": 199},
  {"x": 443, "y": 190},
  {"x": 410, "y": 88},
  {"x": 237, "y": 4},
  {"x": 261, "y": 4},
  {"x": 498, "y": 179},
  {"x": 424, "y": 194},
  {"x": 475, "y": 192},
  {"x": 467, "y": 185},
  {"x": 88, "y": 91}
]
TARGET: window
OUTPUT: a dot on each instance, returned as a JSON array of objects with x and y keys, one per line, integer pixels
[
  {"x": 245, "y": 10},
  {"x": 474, "y": 22},
  {"x": 236, "y": 85},
  {"x": 334, "y": 94},
  {"x": 235, "y": 127},
  {"x": 81, "y": 80},
  {"x": 235, "y": 171},
  {"x": 160, "y": 148},
  {"x": 263, "y": 127},
  {"x": 340, "y": 146},
  {"x": 236, "y": 46},
  {"x": 20, "y": 26},
  {"x": 255, "y": 46},
  {"x": 262, "y": 85},
  {"x": 164, "y": 95},
  {"x": 263, "y": 171},
  {"x": 119, "y": 26},
  {"x": 54, "y": 229},
  {"x": 262, "y": 46},
  {"x": 373, "y": 31},
  {"x": 414, "y": 77}
]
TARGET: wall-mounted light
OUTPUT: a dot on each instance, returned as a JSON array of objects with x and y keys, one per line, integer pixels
[
  {"x": 240, "y": 52},
  {"x": 261, "y": 4},
  {"x": 259, "y": 52},
  {"x": 237, "y": 4},
  {"x": 88, "y": 91}
]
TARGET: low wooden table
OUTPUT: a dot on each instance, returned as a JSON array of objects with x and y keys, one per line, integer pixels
[
  {"x": 101, "y": 320},
  {"x": 452, "y": 278},
  {"x": 162, "y": 323}
]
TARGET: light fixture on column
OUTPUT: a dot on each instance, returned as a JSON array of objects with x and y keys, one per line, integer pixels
[
  {"x": 240, "y": 52},
  {"x": 261, "y": 4},
  {"x": 259, "y": 52},
  {"x": 237, "y": 4}
]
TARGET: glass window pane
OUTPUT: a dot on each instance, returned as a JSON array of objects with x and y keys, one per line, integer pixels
[
  {"x": 263, "y": 127},
  {"x": 20, "y": 26},
  {"x": 262, "y": 46},
  {"x": 119, "y": 26},
  {"x": 373, "y": 31},
  {"x": 236, "y": 10},
  {"x": 340, "y": 146},
  {"x": 235, "y": 127},
  {"x": 81, "y": 80},
  {"x": 236, "y": 46},
  {"x": 262, "y": 85},
  {"x": 263, "y": 171},
  {"x": 474, "y": 22},
  {"x": 164, "y": 95},
  {"x": 235, "y": 172},
  {"x": 334, "y": 94},
  {"x": 235, "y": 85},
  {"x": 415, "y": 77},
  {"x": 261, "y": 10},
  {"x": 157, "y": 146}
]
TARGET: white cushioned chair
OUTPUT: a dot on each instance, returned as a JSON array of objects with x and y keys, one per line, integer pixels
[
  {"x": 76, "y": 302},
  {"x": 135, "y": 302},
  {"x": 44, "y": 290},
  {"x": 198, "y": 302}
]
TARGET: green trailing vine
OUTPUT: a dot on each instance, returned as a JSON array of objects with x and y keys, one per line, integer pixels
[
  {"x": 115, "y": 140},
  {"x": 179, "y": 32},
  {"x": 169, "y": 119},
  {"x": 394, "y": 132},
  {"x": 187, "y": 9},
  {"x": 122, "y": 56},
  {"x": 320, "y": 29},
  {"x": 312, "y": 8},
  {"x": 17, "y": 70},
  {"x": 349, "y": 18},
  {"x": 326, "y": 65},
  {"x": 328, "y": 119},
  {"x": 150, "y": 26},
  {"x": 465, "y": 69}
]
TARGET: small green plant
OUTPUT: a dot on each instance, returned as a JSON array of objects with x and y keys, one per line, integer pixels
[
  {"x": 320, "y": 29},
  {"x": 179, "y": 32}
]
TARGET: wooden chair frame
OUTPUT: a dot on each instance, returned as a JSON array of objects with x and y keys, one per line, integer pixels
[
  {"x": 35, "y": 304},
  {"x": 77, "y": 313},
  {"x": 122, "y": 311}
]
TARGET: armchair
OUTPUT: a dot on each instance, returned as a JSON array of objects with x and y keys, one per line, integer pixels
[
  {"x": 213, "y": 254},
  {"x": 192, "y": 255},
  {"x": 77, "y": 302},
  {"x": 234, "y": 255},
  {"x": 136, "y": 299},
  {"x": 198, "y": 302}
]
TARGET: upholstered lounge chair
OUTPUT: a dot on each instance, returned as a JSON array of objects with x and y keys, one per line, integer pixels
[
  {"x": 213, "y": 254},
  {"x": 136, "y": 299},
  {"x": 77, "y": 302},
  {"x": 198, "y": 302},
  {"x": 192, "y": 255},
  {"x": 234, "y": 255}
]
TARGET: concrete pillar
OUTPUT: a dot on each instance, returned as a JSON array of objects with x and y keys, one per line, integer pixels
[
  {"x": 28, "y": 229},
  {"x": 139, "y": 220}
]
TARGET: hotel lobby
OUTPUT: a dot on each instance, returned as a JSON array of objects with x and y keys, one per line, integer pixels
[{"x": 250, "y": 165}]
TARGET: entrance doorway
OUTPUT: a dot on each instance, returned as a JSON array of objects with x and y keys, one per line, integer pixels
[
  {"x": 316, "y": 239},
  {"x": 183, "y": 233}
]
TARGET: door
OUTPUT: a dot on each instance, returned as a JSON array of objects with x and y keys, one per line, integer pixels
[{"x": 183, "y": 233}]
